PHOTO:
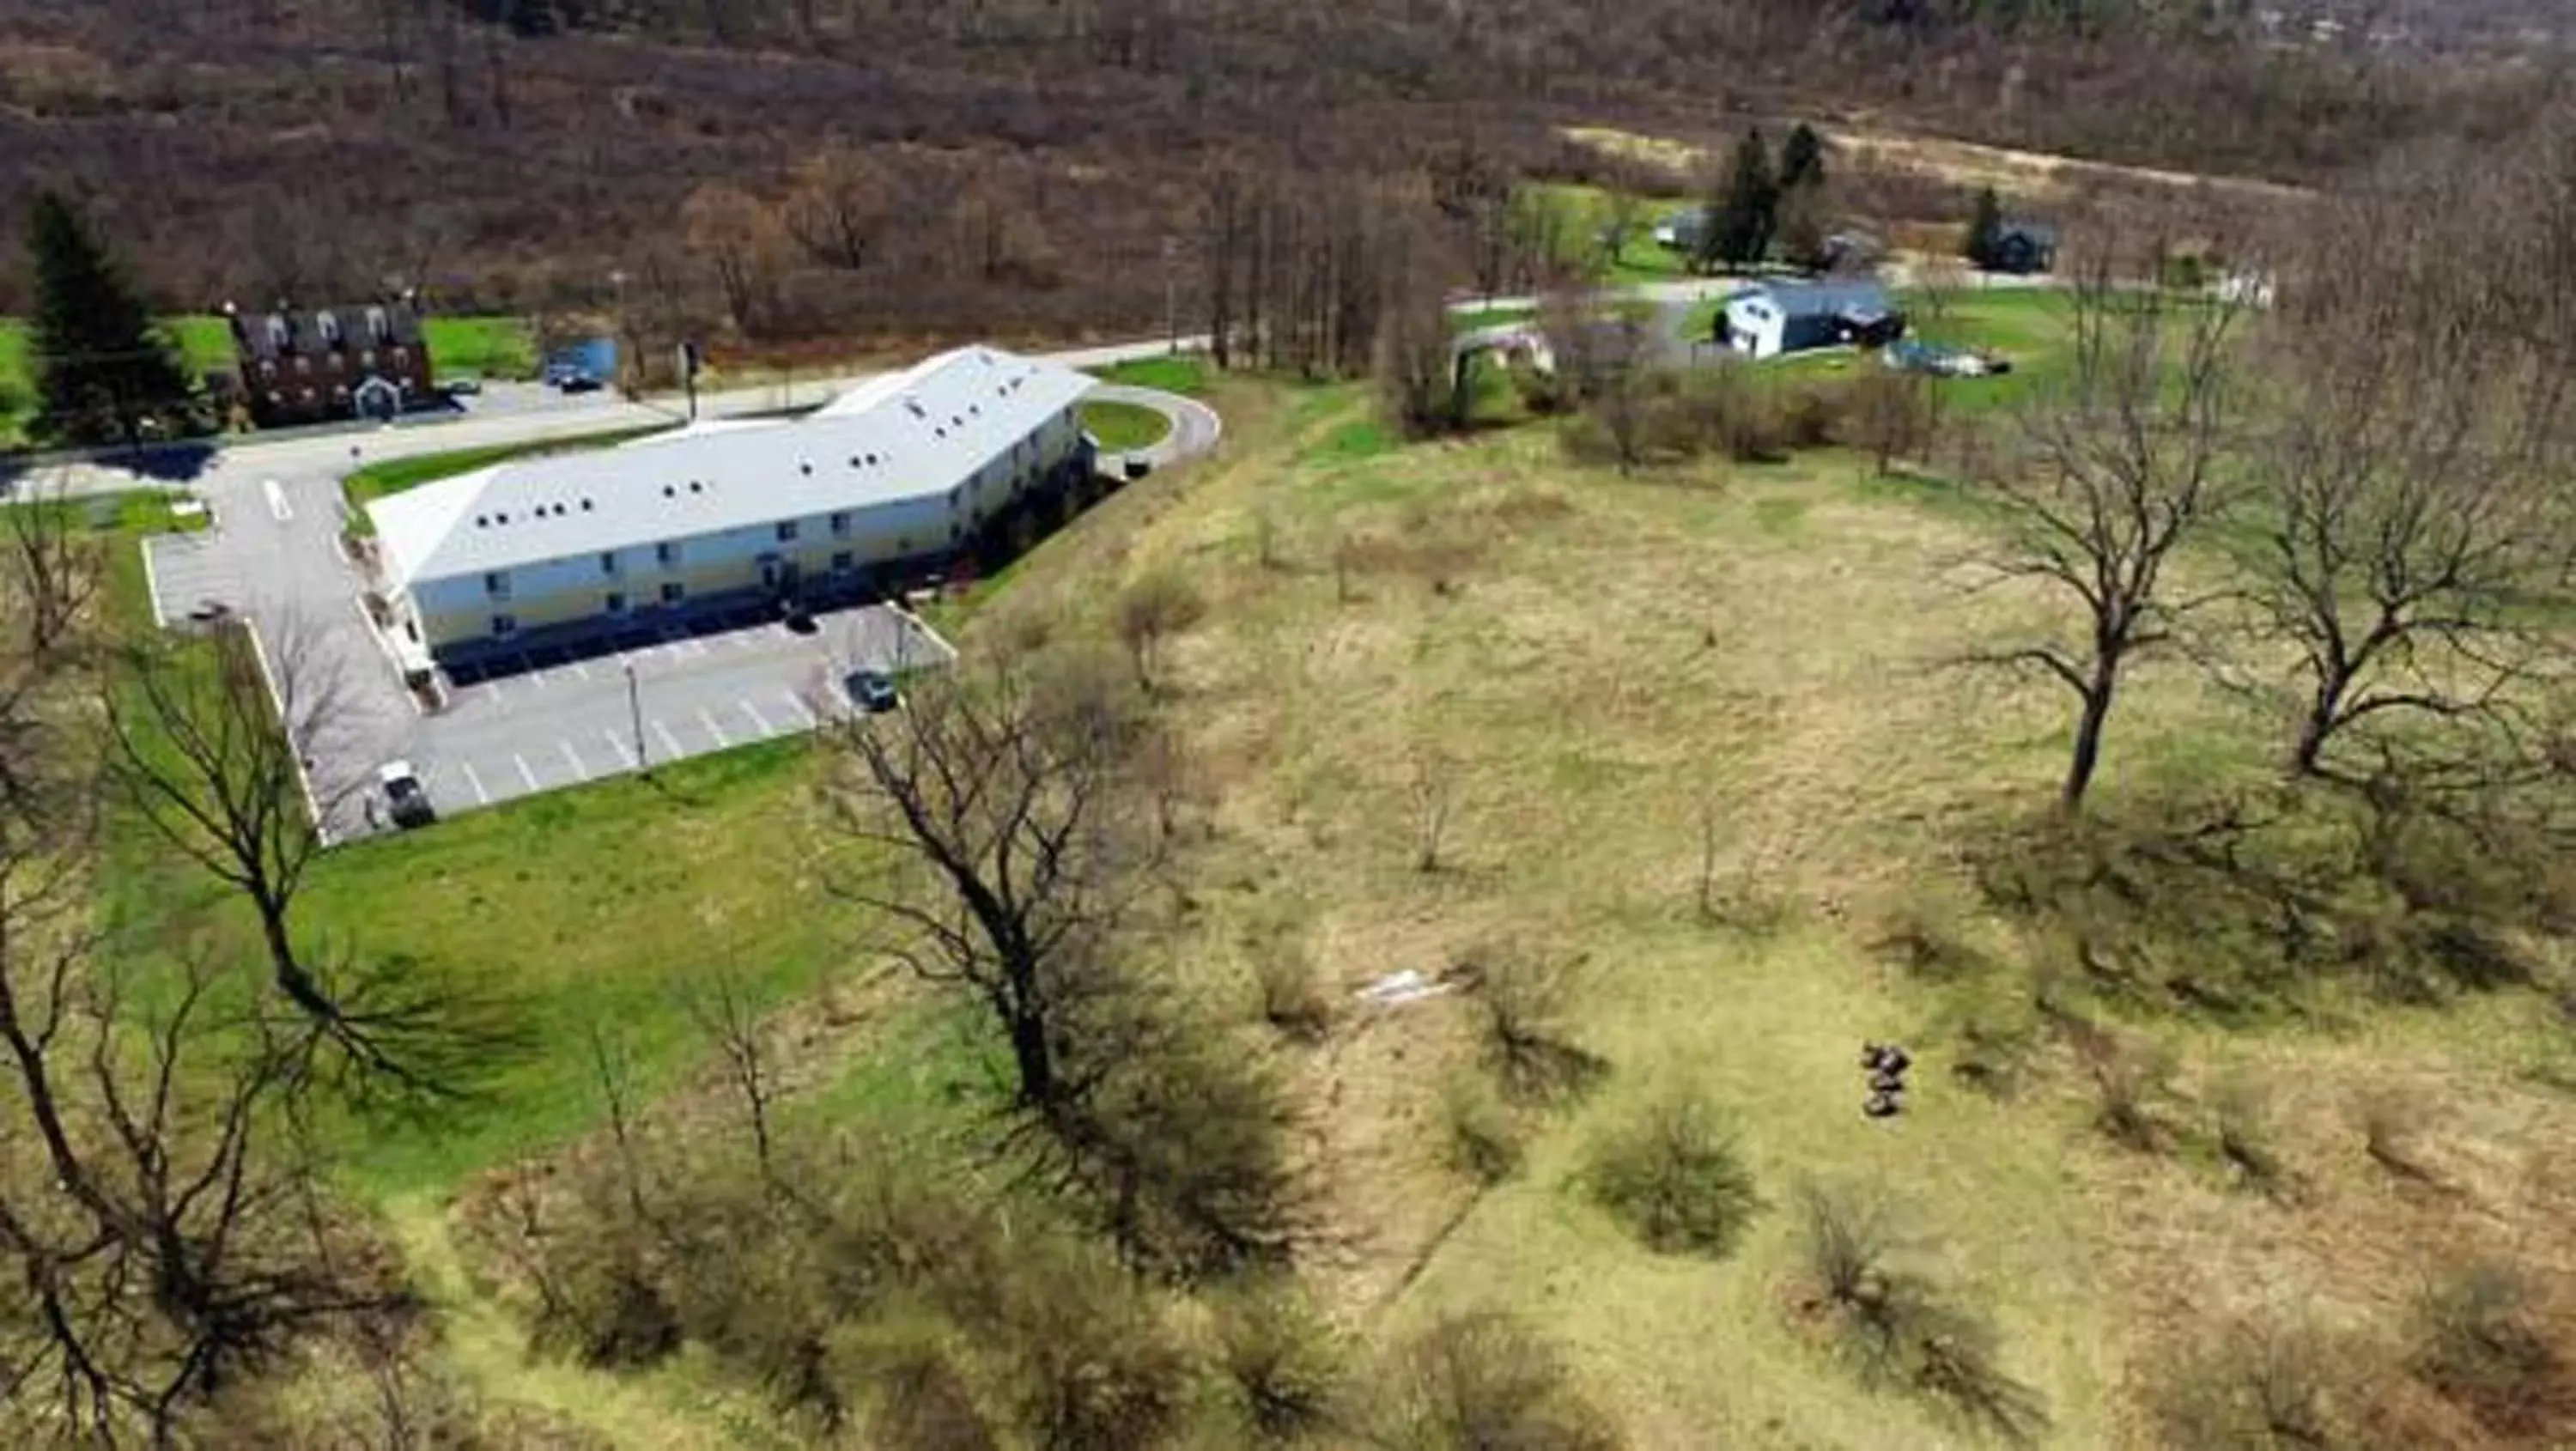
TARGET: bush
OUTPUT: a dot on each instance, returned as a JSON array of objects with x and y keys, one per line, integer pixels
[
  {"x": 1282, "y": 1367},
  {"x": 1845, "y": 1236},
  {"x": 2245, "y": 1140},
  {"x": 1524, "y": 996},
  {"x": 2392, "y": 1131},
  {"x": 1483, "y": 1382},
  {"x": 2487, "y": 1343},
  {"x": 2258, "y": 1388},
  {"x": 1292, "y": 993},
  {"x": 2131, "y": 1082},
  {"x": 1156, "y": 607},
  {"x": 1484, "y": 1140},
  {"x": 1096, "y": 1368},
  {"x": 1675, "y": 1178}
]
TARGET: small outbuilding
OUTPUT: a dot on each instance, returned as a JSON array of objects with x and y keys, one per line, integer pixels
[{"x": 1794, "y": 317}]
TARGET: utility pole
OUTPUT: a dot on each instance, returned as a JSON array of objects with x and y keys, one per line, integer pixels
[
  {"x": 1171, "y": 294},
  {"x": 635, "y": 707},
  {"x": 689, "y": 376}
]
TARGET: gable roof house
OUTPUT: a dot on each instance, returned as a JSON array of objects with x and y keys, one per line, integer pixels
[
  {"x": 328, "y": 363},
  {"x": 2023, "y": 248},
  {"x": 1772, "y": 318},
  {"x": 906, "y": 468}
]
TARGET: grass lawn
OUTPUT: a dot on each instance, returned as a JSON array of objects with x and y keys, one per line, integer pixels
[
  {"x": 1485, "y": 317},
  {"x": 1123, "y": 426},
  {"x": 1182, "y": 373},
  {"x": 393, "y": 476},
  {"x": 493, "y": 347}
]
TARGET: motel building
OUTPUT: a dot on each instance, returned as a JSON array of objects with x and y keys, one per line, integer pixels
[{"x": 892, "y": 477}]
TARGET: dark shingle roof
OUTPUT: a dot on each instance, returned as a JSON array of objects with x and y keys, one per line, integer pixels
[
  {"x": 1828, "y": 299},
  {"x": 310, "y": 332}
]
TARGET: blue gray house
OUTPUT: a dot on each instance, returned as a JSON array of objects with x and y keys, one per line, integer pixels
[{"x": 1772, "y": 318}]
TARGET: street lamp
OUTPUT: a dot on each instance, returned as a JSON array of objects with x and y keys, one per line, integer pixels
[{"x": 635, "y": 708}]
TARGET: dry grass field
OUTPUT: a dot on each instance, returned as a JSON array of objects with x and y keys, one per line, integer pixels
[{"x": 1584, "y": 671}]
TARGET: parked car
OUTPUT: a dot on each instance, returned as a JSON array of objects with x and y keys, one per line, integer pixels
[
  {"x": 872, "y": 691},
  {"x": 578, "y": 383},
  {"x": 465, "y": 387},
  {"x": 405, "y": 799}
]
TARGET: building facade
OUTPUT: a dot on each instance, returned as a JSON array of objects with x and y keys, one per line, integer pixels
[
  {"x": 315, "y": 366},
  {"x": 889, "y": 479}
]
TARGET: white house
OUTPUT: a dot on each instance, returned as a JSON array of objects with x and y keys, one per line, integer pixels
[
  {"x": 904, "y": 469},
  {"x": 1772, "y": 318}
]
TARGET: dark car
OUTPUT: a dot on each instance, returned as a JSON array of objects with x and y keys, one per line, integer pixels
[
  {"x": 578, "y": 383},
  {"x": 872, "y": 691},
  {"x": 405, "y": 801}
]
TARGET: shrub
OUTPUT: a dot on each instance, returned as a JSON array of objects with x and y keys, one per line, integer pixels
[
  {"x": 2392, "y": 1131},
  {"x": 1524, "y": 996},
  {"x": 1097, "y": 1370},
  {"x": 1484, "y": 1382},
  {"x": 2130, "y": 1082},
  {"x": 2245, "y": 1139},
  {"x": 1292, "y": 992},
  {"x": 1484, "y": 1140},
  {"x": 1282, "y": 1367},
  {"x": 1844, "y": 1236},
  {"x": 1156, "y": 607},
  {"x": 2257, "y": 1388},
  {"x": 1675, "y": 1178},
  {"x": 2487, "y": 1343}
]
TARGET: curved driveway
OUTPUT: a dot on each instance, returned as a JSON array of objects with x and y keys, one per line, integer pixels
[{"x": 1195, "y": 426}]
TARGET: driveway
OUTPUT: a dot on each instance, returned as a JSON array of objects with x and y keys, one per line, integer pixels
[{"x": 1195, "y": 426}]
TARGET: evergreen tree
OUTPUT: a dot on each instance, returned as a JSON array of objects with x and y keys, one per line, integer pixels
[
  {"x": 1747, "y": 210},
  {"x": 102, "y": 364},
  {"x": 1802, "y": 159},
  {"x": 1985, "y": 225}
]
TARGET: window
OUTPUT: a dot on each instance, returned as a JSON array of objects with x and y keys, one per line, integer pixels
[
  {"x": 666, "y": 555},
  {"x": 842, "y": 562},
  {"x": 786, "y": 531},
  {"x": 608, "y": 561},
  {"x": 616, "y": 602},
  {"x": 505, "y": 625},
  {"x": 497, "y": 585},
  {"x": 673, "y": 591},
  {"x": 841, "y": 525}
]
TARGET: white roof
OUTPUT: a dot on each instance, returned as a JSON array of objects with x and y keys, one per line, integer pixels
[{"x": 909, "y": 435}]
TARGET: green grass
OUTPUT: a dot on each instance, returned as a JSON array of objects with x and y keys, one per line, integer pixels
[
  {"x": 1123, "y": 426},
  {"x": 1485, "y": 317},
  {"x": 497, "y": 347},
  {"x": 579, "y": 910},
  {"x": 488, "y": 347},
  {"x": 393, "y": 476},
  {"x": 1183, "y": 373}
]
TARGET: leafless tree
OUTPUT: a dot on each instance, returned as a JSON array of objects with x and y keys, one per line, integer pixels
[
  {"x": 53, "y": 571},
  {"x": 1604, "y": 351},
  {"x": 737, "y": 235},
  {"x": 2412, "y": 511},
  {"x": 841, "y": 202},
  {"x": 1157, "y": 606},
  {"x": 1432, "y": 791},
  {"x": 2119, "y": 466},
  {"x": 997, "y": 802},
  {"x": 211, "y": 749},
  {"x": 161, "y": 1221},
  {"x": 731, "y": 1021}
]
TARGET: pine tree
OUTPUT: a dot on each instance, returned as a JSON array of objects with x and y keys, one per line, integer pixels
[
  {"x": 1740, "y": 225},
  {"x": 1985, "y": 225},
  {"x": 1802, "y": 159},
  {"x": 102, "y": 364}
]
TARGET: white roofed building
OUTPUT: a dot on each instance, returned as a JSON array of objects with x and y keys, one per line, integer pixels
[{"x": 899, "y": 473}]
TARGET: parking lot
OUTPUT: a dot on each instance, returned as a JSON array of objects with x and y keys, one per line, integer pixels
[{"x": 548, "y": 718}]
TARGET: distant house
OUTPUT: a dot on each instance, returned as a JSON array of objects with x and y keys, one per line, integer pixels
[
  {"x": 1682, "y": 231},
  {"x": 2023, "y": 248},
  {"x": 1793, "y": 317},
  {"x": 300, "y": 366},
  {"x": 1850, "y": 251}
]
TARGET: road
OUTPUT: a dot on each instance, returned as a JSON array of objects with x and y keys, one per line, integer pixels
[
  {"x": 1195, "y": 426},
  {"x": 309, "y": 456}
]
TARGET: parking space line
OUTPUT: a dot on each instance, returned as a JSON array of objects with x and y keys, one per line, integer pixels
[
  {"x": 717, "y": 731},
  {"x": 625, "y": 755},
  {"x": 581, "y": 670},
  {"x": 804, "y": 717},
  {"x": 670, "y": 742},
  {"x": 524, "y": 773},
  {"x": 491, "y": 683},
  {"x": 757, "y": 718},
  {"x": 580, "y": 772},
  {"x": 481, "y": 796}
]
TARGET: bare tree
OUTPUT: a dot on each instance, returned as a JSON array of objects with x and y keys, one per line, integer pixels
[
  {"x": 53, "y": 571},
  {"x": 731, "y": 1021},
  {"x": 2412, "y": 512},
  {"x": 1157, "y": 606},
  {"x": 161, "y": 1222},
  {"x": 211, "y": 749},
  {"x": 840, "y": 204},
  {"x": 2120, "y": 465},
  {"x": 1432, "y": 791},
  {"x": 735, "y": 233},
  {"x": 998, "y": 803}
]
